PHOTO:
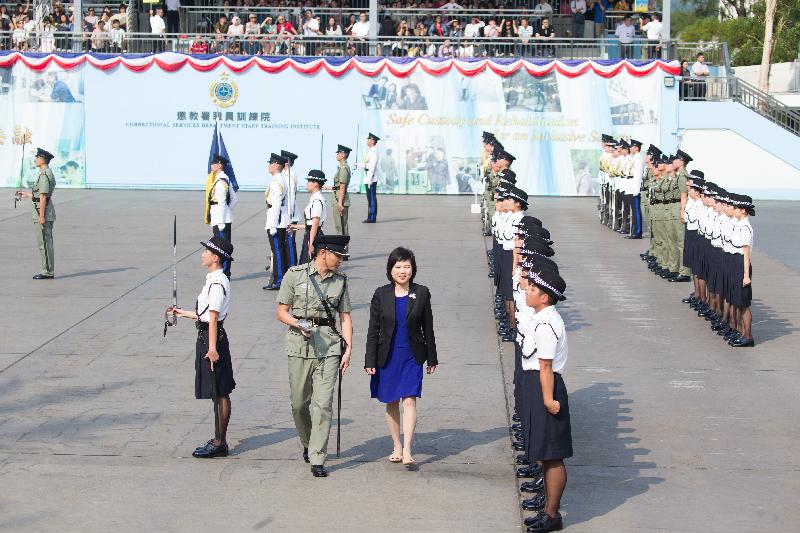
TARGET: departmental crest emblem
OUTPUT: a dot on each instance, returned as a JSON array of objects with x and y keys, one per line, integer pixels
[{"x": 224, "y": 91}]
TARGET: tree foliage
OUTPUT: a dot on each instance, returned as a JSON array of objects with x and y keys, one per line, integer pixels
[{"x": 745, "y": 35}]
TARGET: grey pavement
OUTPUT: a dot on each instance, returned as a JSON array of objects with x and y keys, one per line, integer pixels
[{"x": 673, "y": 430}]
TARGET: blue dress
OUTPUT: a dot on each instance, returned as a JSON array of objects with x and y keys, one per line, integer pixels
[{"x": 402, "y": 375}]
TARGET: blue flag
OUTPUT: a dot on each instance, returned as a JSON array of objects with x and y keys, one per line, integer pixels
[{"x": 218, "y": 148}]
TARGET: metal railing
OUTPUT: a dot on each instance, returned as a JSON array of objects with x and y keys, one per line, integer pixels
[
  {"x": 287, "y": 44},
  {"x": 731, "y": 88}
]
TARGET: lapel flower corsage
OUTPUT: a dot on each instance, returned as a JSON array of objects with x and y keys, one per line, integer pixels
[{"x": 412, "y": 295}]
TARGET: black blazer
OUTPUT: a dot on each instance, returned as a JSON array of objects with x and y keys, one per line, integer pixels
[{"x": 419, "y": 320}]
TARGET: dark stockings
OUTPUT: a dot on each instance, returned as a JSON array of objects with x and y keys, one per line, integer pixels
[
  {"x": 555, "y": 479},
  {"x": 224, "y": 403}
]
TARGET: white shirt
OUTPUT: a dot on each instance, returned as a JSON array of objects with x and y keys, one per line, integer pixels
[
  {"x": 700, "y": 69},
  {"x": 275, "y": 197},
  {"x": 742, "y": 235},
  {"x": 316, "y": 208},
  {"x": 311, "y": 27},
  {"x": 653, "y": 30},
  {"x": 157, "y": 24},
  {"x": 625, "y": 33},
  {"x": 173, "y": 5},
  {"x": 214, "y": 296},
  {"x": 692, "y": 213},
  {"x": 637, "y": 171},
  {"x": 371, "y": 165},
  {"x": 551, "y": 340},
  {"x": 497, "y": 217},
  {"x": 222, "y": 213},
  {"x": 473, "y": 30},
  {"x": 543, "y": 9},
  {"x": 578, "y": 6},
  {"x": 726, "y": 230},
  {"x": 289, "y": 212},
  {"x": 509, "y": 229},
  {"x": 716, "y": 230},
  {"x": 361, "y": 29},
  {"x": 451, "y": 5}
]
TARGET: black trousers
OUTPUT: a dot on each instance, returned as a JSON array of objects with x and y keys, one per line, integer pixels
[
  {"x": 372, "y": 202},
  {"x": 617, "y": 217},
  {"x": 304, "y": 255},
  {"x": 277, "y": 244},
  {"x": 226, "y": 233},
  {"x": 172, "y": 22},
  {"x": 625, "y": 225}
]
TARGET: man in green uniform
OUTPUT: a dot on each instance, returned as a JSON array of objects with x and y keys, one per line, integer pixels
[
  {"x": 341, "y": 202},
  {"x": 313, "y": 342},
  {"x": 652, "y": 155},
  {"x": 658, "y": 248},
  {"x": 44, "y": 213},
  {"x": 680, "y": 193}
]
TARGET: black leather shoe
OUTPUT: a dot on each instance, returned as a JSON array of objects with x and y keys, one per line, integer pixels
[
  {"x": 633, "y": 237},
  {"x": 537, "y": 485},
  {"x": 724, "y": 331},
  {"x": 209, "y": 450},
  {"x": 717, "y": 326},
  {"x": 680, "y": 279},
  {"x": 271, "y": 287},
  {"x": 741, "y": 342},
  {"x": 533, "y": 504},
  {"x": 305, "y": 455},
  {"x": 319, "y": 471},
  {"x": 515, "y": 417},
  {"x": 42, "y": 276},
  {"x": 521, "y": 460},
  {"x": 668, "y": 275},
  {"x": 518, "y": 446},
  {"x": 509, "y": 336},
  {"x": 732, "y": 334},
  {"x": 712, "y": 317},
  {"x": 204, "y": 445},
  {"x": 529, "y": 472},
  {"x": 688, "y": 299},
  {"x": 516, "y": 427},
  {"x": 544, "y": 523}
]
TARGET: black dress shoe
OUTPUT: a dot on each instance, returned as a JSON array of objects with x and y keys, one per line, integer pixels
[
  {"x": 516, "y": 427},
  {"x": 518, "y": 446},
  {"x": 515, "y": 417},
  {"x": 319, "y": 471},
  {"x": 42, "y": 276},
  {"x": 537, "y": 485},
  {"x": 724, "y": 331},
  {"x": 688, "y": 299},
  {"x": 544, "y": 523},
  {"x": 717, "y": 326},
  {"x": 633, "y": 236},
  {"x": 533, "y": 504},
  {"x": 305, "y": 455},
  {"x": 521, "y": 460},
  {"x": 271, "y": 287},
  {"x": 732, "y": 334},
  {"x": 668, "y": 275},
  {"x": 741, "y": 342},
  {"x": 529, "y": 472},
  {"x": 209, "y": 450},
  {"x": 680, "y": 279},
  {"x": 204, "y": 445}
]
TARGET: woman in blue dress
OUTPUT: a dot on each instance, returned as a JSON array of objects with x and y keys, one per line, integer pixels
[{"x": 400, "y": 340}]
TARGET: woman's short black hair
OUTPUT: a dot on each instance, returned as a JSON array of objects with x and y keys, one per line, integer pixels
[{"x": 401, "y": 254}]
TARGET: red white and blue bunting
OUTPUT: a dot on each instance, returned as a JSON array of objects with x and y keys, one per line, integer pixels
[{"x": 337, "y": 66}]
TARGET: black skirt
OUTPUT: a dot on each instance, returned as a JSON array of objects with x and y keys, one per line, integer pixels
[
  {"x": 715, "y": 270},
  {"x": 548, "y": 437},
  {"x": 506, "y": 282},
  {"x": 688, "y": 248},
  {"x": 223, "y": 368},
  {"x": 701, "y": 256},
  {"x": 498, "y": 267},
  {"x": 740, "y": 296},
  {"x": 304, "y": 257}
]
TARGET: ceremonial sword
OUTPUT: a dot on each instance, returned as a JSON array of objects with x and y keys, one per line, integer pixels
[{"x": 170, "y": 319}]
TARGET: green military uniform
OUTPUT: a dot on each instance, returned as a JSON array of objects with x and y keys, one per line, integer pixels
[
  {"x": 45, "y": 184},
  {"x": 659, "y": 249},
  {"x": 490, "y": 184},
  {"x": 678, "y": 226},
  {"x": 313, "y": 360},
  {"x": 671, "y": 208},
  {"x": 644, "y": 194},
  {"x": 342, "y": 176}
]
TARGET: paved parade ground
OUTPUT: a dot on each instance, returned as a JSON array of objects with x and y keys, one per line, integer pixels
[{"x": 673, "y": 430}]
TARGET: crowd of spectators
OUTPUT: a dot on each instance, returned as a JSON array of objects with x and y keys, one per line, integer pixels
[{"x": 321, "y": 27}]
